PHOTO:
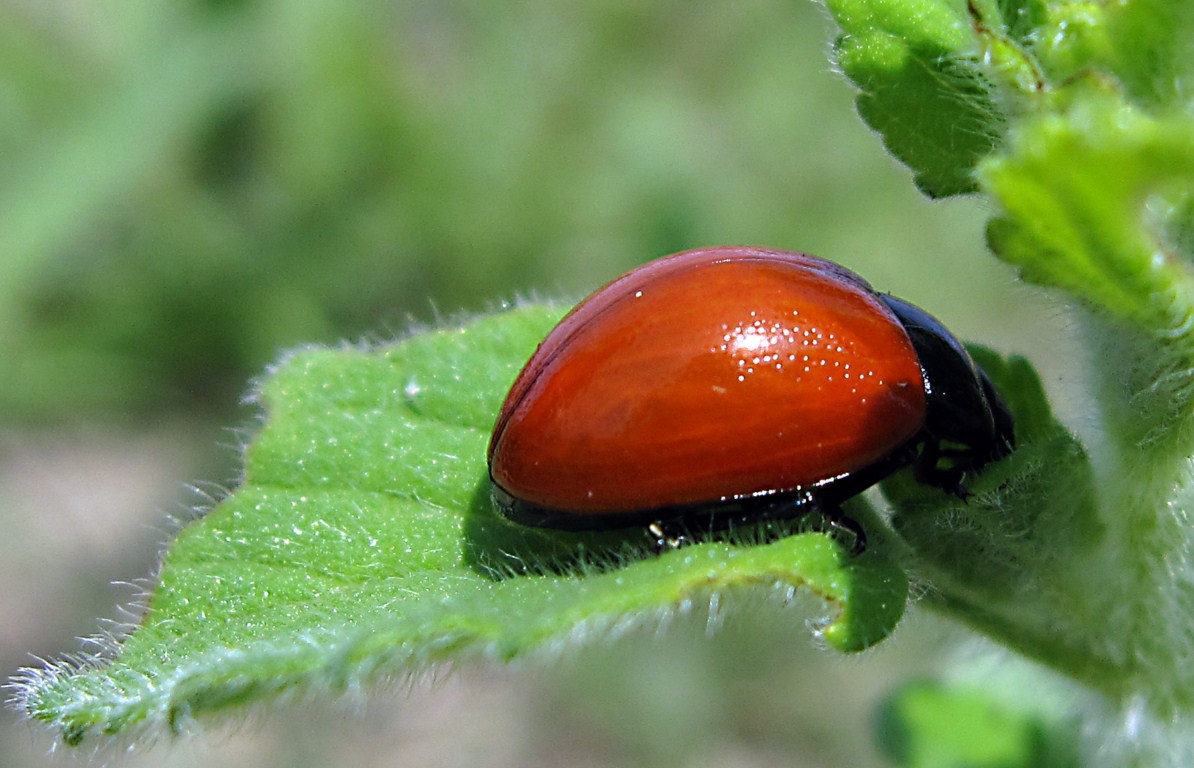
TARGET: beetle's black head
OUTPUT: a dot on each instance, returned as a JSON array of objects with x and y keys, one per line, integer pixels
[{"x": 963, "y": 407}]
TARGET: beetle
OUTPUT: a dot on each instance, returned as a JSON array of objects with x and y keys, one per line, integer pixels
[{"x": 732, "y": 385}]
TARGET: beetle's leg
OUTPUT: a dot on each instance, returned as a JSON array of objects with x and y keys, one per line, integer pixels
[
  {"x": 948, "y": 478},
  {"x": 839, "y": 522},
  {"x": 665, "y": 536}
]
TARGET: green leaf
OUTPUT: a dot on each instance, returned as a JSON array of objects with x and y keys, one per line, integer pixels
[
  {"x": 1096, "y": 200},
  {"x": 942, "y": 80},
  {"x": 1017, "y": 504},
  {"x": 1088, "y": 197},
  {"x": 914, "y": 63},
  {"x": 1003, "y": 560},
  {"x": 927, "y": 725},
  {"x": 1094, "y": 197},
  {"x": 1144, "y": 46},
  {"x": 363, "y": 544}
]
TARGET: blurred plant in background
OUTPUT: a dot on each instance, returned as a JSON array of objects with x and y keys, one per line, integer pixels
[{"x": 190, "y": 187}]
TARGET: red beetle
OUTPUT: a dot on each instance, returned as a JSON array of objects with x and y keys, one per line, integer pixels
[{"x": 734, "y": 385}]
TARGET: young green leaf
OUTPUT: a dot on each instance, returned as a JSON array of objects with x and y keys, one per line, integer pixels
[
  {"x": 1096, "y": 200},
  {"x": 915, "y": 65},
  {"x": 1093, "y": 190},
  {"x": 363, "y": 543},
  {"x": 1145, "y": 46}
]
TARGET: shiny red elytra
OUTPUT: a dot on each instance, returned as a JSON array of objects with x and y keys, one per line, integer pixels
[{"x": 732, "y": 385}]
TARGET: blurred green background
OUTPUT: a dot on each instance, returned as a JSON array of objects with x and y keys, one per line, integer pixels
[{"x": 188, "y": 189}]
